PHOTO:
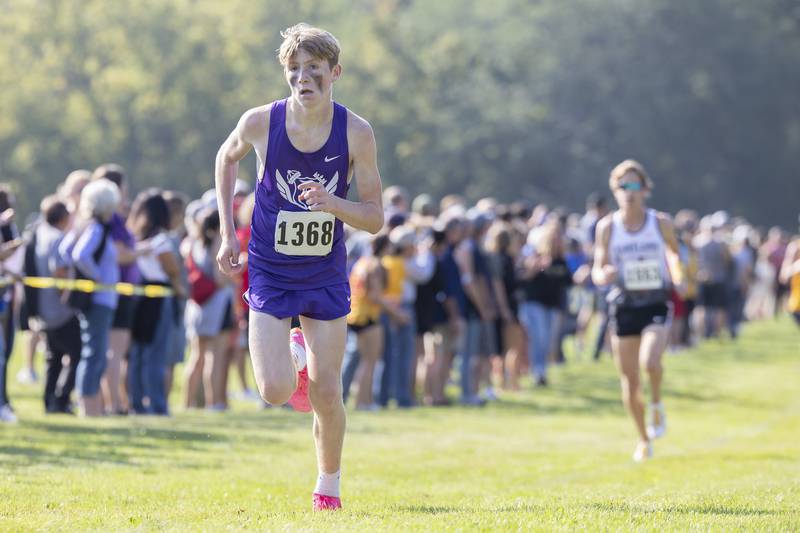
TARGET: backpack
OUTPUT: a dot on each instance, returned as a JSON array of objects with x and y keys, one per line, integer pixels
[{"x": 30, "y": 303}]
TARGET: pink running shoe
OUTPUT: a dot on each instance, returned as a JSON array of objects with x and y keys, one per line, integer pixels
[
  {"x": 299, "y": 400},
  {"x": 326, "y": 503}
]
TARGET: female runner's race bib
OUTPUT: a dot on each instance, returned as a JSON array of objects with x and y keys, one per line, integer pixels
[
  {"x": 304, "y": 233},
  {"x": 644, "y": 275}
]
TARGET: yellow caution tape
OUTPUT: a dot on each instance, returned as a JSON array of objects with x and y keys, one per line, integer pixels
[{"x": 87, "y": 285}]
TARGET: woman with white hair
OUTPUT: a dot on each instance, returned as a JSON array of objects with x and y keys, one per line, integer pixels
[{"x": 90, "y": 250}]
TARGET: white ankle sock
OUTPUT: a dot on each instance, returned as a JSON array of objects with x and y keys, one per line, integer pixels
[{"x": 328, "y": 484}]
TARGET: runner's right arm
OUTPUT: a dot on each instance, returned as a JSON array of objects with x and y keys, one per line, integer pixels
[
  {"x": 603, "y": 272},
  {"x": 252, "y": 128}
]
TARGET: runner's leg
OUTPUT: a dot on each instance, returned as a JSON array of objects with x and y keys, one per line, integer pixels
[
  {"x": 626, "y": 356},
  {"x": 325, "y": 342},
  {"x": 275, "y": 374}
]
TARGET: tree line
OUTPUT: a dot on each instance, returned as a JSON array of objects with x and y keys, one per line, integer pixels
[{"x": 508, "y": 98}]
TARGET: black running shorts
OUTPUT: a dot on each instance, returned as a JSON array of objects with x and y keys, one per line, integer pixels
[{"x": 631, "y": 321}]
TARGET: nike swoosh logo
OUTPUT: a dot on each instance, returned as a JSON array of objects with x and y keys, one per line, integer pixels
[{"x": 328, "y": 160}]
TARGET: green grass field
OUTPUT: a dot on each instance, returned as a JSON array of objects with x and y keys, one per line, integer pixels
[{"x": 543, "y": 460}]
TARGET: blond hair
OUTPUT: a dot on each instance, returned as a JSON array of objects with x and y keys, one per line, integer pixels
[
  {"x": 316, "y": 41},
  {"x": 550, "y": 241},
  {"x": 630, "y": 165},
  {"x": 74, "y": 183}
]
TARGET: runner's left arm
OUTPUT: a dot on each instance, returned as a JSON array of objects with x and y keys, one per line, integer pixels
[
  {"x": 676, "y": 267},
  {"x": 367, "y": 213}
]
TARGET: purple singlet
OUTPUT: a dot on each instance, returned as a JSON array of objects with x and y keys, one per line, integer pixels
[{"x": 291, "y": 247}]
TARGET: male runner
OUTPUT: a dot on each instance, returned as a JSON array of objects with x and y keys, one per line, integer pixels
[
  {"x": 637, "y": 253},
  {"x": 308, "y": 149}
]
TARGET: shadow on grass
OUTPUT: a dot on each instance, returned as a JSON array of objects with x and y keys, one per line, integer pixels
[
  {"x": 711, "y": 509},
  {"x": 581, "y": 394},
  {"x": 126, "y": 432},
  {"x": 68, "y": 444},
  {"x": 29, "y": 456},
  {"x": 613, "y": 507},
  {"x": 452, "y": 509}
]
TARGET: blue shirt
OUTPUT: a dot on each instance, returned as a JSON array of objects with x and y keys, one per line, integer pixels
[
  {"x": 80, "y": 253},
  {"x": 451, "y": 278}
]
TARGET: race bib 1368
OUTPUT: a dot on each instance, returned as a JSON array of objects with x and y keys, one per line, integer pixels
[{"x": 304, "y": 233}]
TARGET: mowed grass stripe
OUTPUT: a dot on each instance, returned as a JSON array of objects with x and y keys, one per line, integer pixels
[{"x": 555, "y": 459}]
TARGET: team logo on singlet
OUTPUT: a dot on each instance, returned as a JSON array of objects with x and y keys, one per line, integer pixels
[{"x": 289, "y": 187}]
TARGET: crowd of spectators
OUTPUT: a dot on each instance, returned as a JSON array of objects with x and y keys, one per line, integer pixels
[{"x": 449, "y": 296}]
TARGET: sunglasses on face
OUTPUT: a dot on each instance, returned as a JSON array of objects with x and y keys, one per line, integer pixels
[{"x": 632, "y": 186}]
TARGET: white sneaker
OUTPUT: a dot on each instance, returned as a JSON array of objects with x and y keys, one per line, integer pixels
[
  {"x": 7, "y": 415},
  {"x": 657, "y": 431},
  {"x": 27, "y": 376},
  {"x": 643, "y": 451}
]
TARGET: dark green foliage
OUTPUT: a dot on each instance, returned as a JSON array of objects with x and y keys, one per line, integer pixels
[{"x": 509, "y": 97}]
